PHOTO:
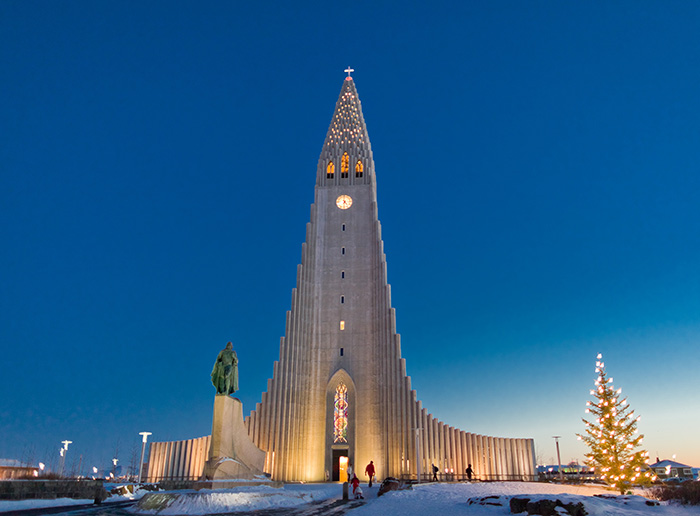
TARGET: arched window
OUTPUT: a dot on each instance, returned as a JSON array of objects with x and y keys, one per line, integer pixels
[
  {"x": 340, "y": 414},
  {"x": 359, "y": 168},
  {"x": 330, "y": 170},
  {"x": 344, "y": 165}
]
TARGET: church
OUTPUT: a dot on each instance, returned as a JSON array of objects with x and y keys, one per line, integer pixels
[
  {"x": 339, "y": 392},
  {"x": 339, "y": 395}
]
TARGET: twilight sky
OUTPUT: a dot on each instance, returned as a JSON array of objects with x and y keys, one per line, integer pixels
[{"x": 537, "y": 169}]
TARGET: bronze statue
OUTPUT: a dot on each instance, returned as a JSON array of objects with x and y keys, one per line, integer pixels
[{"x": 224, "y": 376}]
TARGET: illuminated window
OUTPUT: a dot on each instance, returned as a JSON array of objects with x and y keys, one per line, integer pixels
[
  {"x": 342, "y": 325},
  {"x": 330, "y": 170},
  {"x": 340, "y": 414},
  {"x": 344, "y": 165},
  {"x": 359, "y": 169}
]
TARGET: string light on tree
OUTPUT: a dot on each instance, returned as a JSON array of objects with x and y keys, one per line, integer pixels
[{"x": 612, "y": 437}]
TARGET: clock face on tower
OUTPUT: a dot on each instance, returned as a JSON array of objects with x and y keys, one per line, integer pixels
[{"x": 343, "y": 202}]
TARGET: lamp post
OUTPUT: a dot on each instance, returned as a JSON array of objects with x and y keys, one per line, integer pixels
[
  {"x": 561, "y": 473},
  {"x": 114, "y": 469},
  {"x": 63, "y": 453},
  {"x": 143, "y": 451}
]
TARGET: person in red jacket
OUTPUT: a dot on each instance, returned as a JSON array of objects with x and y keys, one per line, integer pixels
[
  {"x": 355, "y": 483},
  {"x": 369, "y": 470}
]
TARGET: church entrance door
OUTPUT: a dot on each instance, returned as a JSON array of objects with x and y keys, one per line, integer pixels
[{"x": 340, "y": 465}]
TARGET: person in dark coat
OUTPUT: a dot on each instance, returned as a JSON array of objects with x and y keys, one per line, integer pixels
[
  {"x": 369, "y": 470},
  {"x": 469, "y": 472},
  {"x": 435, "y": 470}
]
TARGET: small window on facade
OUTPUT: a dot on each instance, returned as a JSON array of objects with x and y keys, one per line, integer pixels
[
  {"x": 359, "y": 169},
  {"x": 342, "y": 325},
  {"x": 344, "y": 165},
  {"x": 341, "y": 352},
  {"x": 343, "y": 227},
  {"x": 330, "y": 170},
  {"x": 342, "y": 299},
  {"x": 342, "y": 274},
  {"x": 342, "y": 250}
]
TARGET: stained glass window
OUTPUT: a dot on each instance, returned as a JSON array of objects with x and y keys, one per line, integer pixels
[
  {"x": 340, "y": 415},
  {"x": 359, "y": 168},
  {"x": 330, "y": 170}
]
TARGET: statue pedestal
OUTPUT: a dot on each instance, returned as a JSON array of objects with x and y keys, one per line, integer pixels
[{"x": 232, "y": 454}]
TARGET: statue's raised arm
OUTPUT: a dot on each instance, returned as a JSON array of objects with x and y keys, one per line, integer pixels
[{"x": 224, "y": 376}]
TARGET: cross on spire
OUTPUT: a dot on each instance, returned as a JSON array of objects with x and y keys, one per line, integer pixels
[{"x": 349, "y": 70}]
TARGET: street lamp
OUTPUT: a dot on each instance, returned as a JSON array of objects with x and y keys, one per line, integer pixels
[
  {"x": 63, "y": 452},
  {"x": 114, "y": 469},
  {"x": 143, "y": 451},
  {"x": 561, "y": 473}
]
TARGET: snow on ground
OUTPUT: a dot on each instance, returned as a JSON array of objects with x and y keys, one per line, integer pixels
[
  {"x": 425, "y": 499},
  {"x": 451, "y": 500},
  {"x": 20, "y": 505},
  {"x": 249, "y": 498}
]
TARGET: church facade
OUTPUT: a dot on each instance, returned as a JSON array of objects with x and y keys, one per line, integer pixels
[{"x": 339, "y": 394}]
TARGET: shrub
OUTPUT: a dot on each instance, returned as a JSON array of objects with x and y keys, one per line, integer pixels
[{"x": 687, "y": 493}]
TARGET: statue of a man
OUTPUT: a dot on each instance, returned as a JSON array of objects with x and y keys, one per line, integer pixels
[{"x": 224, "y": 376}]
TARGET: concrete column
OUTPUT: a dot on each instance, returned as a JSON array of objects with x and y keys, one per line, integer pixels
[
  {"x": 152, "y": 462},
  {"x": 177, "y": 447},
  {"x": 500, "y": 458},
  {"x": 531, "y": 458},
  {"x": 488, "y": 470},
  {"x": 162, "y": 458},
  {"x": 471, "y": 455},
  {"x": 167, "y": 459},
  {"x": 442, "y": 459}
]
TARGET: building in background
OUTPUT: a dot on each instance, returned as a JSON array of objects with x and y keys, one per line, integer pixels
[{"x": 12, "y": 469}]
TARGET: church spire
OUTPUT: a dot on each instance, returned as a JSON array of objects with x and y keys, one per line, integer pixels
[{"x": 346, "y": 157}]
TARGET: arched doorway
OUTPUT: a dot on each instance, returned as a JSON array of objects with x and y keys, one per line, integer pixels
[{"x": 340, "y": 427}]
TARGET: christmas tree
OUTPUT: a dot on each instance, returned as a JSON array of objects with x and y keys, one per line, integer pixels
[{"x": 612, "y": 436}]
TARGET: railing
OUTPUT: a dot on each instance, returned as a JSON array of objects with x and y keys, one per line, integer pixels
[
  {"x": 457, "y": 477},
  {"x": 173, "y": 478}
]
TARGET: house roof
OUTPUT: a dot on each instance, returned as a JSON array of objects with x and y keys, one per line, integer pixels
[{"x": 666, "y": 463}]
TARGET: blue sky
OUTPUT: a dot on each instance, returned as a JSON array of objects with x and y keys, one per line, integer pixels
[{"x": 537, "y": 168}]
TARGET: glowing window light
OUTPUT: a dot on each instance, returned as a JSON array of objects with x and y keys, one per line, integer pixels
[
  {"x": 359, "y": 168},
  {"x": 344, "y": 165}
]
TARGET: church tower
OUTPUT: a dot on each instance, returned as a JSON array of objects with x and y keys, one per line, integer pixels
[{"x": 339, "y": 393}]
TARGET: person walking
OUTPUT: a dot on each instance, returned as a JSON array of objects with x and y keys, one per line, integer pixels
[
  {"x": 469, "y": 472},
  {"x": 435, "y": 470},
  {"x": 369, "y": 471}
]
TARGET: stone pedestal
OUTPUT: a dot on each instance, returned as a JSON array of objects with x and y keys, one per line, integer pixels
[{"x": 232, "y": 454}]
